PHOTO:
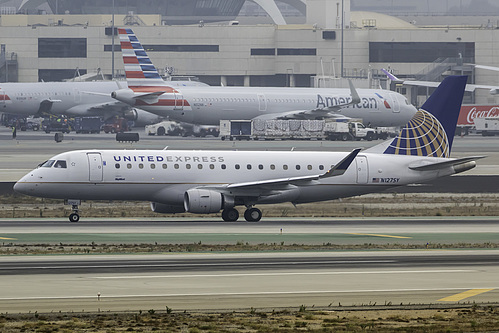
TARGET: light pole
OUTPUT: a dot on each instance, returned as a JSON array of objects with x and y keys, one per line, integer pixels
[
  {"x": 342, "y": 27},
  {"x": 112, "y": 43}
]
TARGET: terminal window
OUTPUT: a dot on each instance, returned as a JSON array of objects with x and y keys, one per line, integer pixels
[
  {"x": 420, "y": 51},
  {"x": 62, "y": 47},
  {"x": 298, "y": 52}
]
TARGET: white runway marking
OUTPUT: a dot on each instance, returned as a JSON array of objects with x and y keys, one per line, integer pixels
[{"x": 281, "y": 274}]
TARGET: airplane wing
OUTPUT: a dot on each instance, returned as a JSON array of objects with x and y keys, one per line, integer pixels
[
  {"x": 106, "y": 110},
  {"x": 319, "y": 113},
  {"x": 268, "y": 187},
  {"x": 46, "y": 106},
  {"x": 431, "y": 84}
]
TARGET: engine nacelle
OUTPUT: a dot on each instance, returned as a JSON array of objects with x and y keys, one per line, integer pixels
[
  {"x": 124, "y": 95},
  {"x": 200, "y": 201},
  {"x": 166, "y": 209},
  {"x": 131, "y": 115}
]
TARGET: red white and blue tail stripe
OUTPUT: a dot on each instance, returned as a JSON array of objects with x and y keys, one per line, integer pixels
[{"x": 141, "y": 75}]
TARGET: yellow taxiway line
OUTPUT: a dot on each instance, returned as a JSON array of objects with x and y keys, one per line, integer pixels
[
  {"x": 463, "y": 295},
  {"x": 377, "y": 235}
]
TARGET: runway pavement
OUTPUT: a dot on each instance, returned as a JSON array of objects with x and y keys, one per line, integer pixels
[{"x": 243, "y": 280}]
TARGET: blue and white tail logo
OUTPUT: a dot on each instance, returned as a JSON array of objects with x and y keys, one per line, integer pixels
[
  {"x": 422, "y": 136},
  {"x": 431, "y": 131}
]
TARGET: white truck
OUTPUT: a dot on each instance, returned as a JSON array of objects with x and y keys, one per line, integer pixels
[
  {"x": 488, "y": 126},
  {"x": 163, "y": 128},
  {"x": 295, "y": 130}
]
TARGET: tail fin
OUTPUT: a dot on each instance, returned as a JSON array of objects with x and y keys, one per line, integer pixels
[
  {"x": 431, "y": 131},
  {"x": 139, "y": 69}
]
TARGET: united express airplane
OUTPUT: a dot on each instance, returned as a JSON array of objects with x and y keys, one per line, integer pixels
[
  {"x": 209, "y": 105},
  {"x": 203, "y": 182}
]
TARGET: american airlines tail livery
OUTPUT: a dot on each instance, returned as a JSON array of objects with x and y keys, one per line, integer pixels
[
  {"x": 209, "y": 105},
  {"x": 204, "y": 182}
]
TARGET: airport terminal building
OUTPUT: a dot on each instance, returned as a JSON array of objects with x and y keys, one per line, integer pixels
[{"x": 208, "y": 41}]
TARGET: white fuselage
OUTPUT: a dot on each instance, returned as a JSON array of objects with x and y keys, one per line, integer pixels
[
  {"x": 209, "y": 105},
  {"x": 76, "y": 99},
  {"x": 164, "y": 176}
]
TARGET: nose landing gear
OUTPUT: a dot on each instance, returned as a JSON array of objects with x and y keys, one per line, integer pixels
[{"x": 74, "y": 216}]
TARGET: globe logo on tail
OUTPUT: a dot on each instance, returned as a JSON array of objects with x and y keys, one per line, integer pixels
[{"x": 424, "y": 135}]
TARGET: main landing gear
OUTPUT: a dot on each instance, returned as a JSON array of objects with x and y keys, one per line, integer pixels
[{"x": 250, "y": 215}]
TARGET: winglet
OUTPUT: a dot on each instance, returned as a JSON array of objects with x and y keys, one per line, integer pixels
[
  {"x": 353, "y": 93},
  {"x": 341, "y": 167},
  {"x": 390, "y": 75}
]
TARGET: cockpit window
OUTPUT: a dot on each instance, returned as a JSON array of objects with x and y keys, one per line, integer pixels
[
  {"x": 47, "y": 164},
  {"x": 60, "y": 164}
]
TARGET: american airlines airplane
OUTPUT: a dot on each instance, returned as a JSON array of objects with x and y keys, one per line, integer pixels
[
  {"x": 209, "y": 105},
  {"x": 77, "y": 99},
  {"x": 204, "y": 182}
]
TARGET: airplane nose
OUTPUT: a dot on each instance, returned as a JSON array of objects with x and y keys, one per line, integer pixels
[{"x": 21, "y": 187}]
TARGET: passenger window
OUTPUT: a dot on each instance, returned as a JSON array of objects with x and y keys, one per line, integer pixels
[
  {"x": 117, "y": 165},
  {"x": 285, "y": 167},
  {"x": 141, "y": 166},
  {"x": 321, "y": 167},
  {"x": 272, "y": 167},
  {"x": 260, "y": 167},
  {"x": 187, "y": 166},
  {"x": 223, "y": 166},
  {"x": 212, "y": 166},
  {"x": 309, "y": 167},
  {"x": 60, "y": 164},
  {"x": 176, "y": 166},
  {"x": 248, "y": 166},
  {"x": 298, "y": 167},
  {"x": 129, "y": 165},
  {"x": 237, "y": 166},
  {"x": 153, "y": 166},
  {"x": 200, "y": 166},
  {"x": 164, "y": 166}
]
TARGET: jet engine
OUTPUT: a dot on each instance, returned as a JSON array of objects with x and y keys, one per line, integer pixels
[
  {"x": 166, "y": 209},
  {"x": 131, "y": 115},
  {"x": 202, "y": 201},
  {"x": 124, "y": 95}
]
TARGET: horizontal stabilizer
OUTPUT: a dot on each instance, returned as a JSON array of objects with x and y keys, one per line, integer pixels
[{"x": 445, "y": 164}]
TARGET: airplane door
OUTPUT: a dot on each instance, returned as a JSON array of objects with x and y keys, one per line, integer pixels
[
  {"x": 179, "y": 102},
  {"x": 94, "y": 167},
  {"x": 2, "y": 98},
  {"x": 262, "y": 103},
  {"x": 362, "y": 169},
  {"x": 76, "y": 95},
  {"x": 395, "y": 103}
]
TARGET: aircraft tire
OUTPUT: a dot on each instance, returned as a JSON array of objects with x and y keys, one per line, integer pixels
[
  {"x": 230, "y": 215},
  {"x": 74, "y": 217},
  {"x": 161, "y": 131},
  {"x": 253, "y": 215}
]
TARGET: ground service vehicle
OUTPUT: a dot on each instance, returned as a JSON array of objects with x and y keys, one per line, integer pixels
[
  {"x": 488, "y": 126},
  {"x": 260, "y": 129},
  {"x": 87, "y": 124}
]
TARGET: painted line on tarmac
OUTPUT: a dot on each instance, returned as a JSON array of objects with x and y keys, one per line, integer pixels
[
  {"x": 464, "y": 294},
  {"x": 249, "y": 293},
  {"x": 377, "y": 235},
  {"x": 8, "y": 238},
  {"x": 279, "y": 274}
]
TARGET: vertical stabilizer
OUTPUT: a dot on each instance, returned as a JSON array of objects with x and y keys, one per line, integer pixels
[
  {"x": 431, "y": 131},
  {"x": 139, "y": 69}
]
